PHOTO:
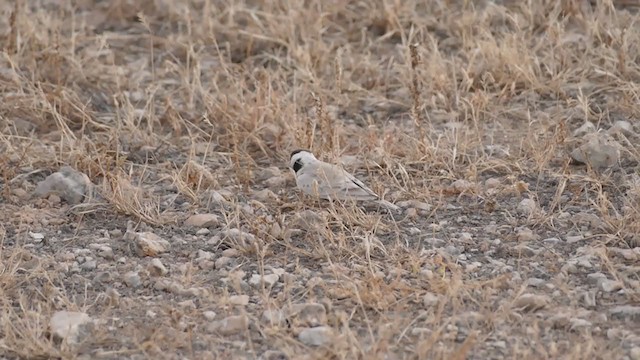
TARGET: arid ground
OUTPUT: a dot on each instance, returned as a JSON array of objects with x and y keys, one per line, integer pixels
[{"x": 464, "y": 113}]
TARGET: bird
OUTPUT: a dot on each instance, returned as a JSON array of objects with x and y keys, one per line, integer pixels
[{"x": 330, "y": 182}]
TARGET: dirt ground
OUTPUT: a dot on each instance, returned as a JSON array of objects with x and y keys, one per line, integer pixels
[{"x": 463, "y": 113}]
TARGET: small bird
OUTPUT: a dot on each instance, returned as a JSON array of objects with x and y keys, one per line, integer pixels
[{"x": 328, "y": 181}]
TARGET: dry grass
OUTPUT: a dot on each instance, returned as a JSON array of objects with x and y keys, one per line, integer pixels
[{"x": 182, "y": 107}]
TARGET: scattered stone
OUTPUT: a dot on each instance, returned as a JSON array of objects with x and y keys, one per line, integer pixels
[
  {"x": 308, "y": 220},
  {"x": 585, "y": 129},
  {"x": 239, "y": 300},
  {"x": 461, "y": 186},
  {"x": 307, "y": 314},
  {"x": 621, "y": 126},
  {"x": 535, "y": 282},
  {"x": 230, "y": 325},
  {"x": 221, "y": 262},
  {"x": 113, "y": 296},
  {"x": 203, "y": 232},
  {"x": 492, "y": 183},
  {"x": 526, "y": 235},
  {"x": 527, "y": 207},
  {"x": 530, "y": 302},
  {"x": 148, "y": 243},
  {"x": 157, "y": 268},
  {"x": 574, "y": 239},
  {"x": 600, "y": 151},
  {"x": 414, "y": 204},
  {"x": 71, "y": 185},
  {"x": 89, "y": 264},
  {"x": 273, "y": 317},
  {"x": 552, "y": 241},
  {"x": 104, "y": 251},
  {"x": 578, "y": 324},
  {"x": 265, "y": 195},
  {"x": 132, "y": 279},
  {"x": 37, "y": 237},
  {"x": 70, "y": 326},
  {"x": 430, "y": 299},
  {"x": 232, "y": 253},
  {"x": 608, "y": 286},
  {"x": 188, "y": 304},
  {"x": 625, "y": 312},
  {"x": 627, "y": 254},
  {"x": 238, "y": 236},
  {"x": 269, "y": 280},
  {"x": 634, "y": 353},
  {"x": 275, "y": 355},
  {"x": 102, "y": 277},
  {"x": 589, "y": 299},
  {"x": 209, "y": 315},
  {"x": 316, "y": 336},
  {"x": 203, "y": 220}
]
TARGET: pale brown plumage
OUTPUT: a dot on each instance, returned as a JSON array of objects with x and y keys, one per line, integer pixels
[{"x": 327, "y": 181}]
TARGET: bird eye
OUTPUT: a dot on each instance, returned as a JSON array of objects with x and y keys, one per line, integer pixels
[{"x": 297, "y": 165}]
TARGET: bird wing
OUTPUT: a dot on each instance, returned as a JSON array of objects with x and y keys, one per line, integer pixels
[{"x": 341, "y": 185}]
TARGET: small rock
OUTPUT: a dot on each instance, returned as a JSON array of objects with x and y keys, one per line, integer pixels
[
  {"x": 71, "y": 185},
  {"x": 415, "y": 204},
  {"x": 535, "y": 282},
  {"x": 577, "y": 323},
  {"x": 69, "y": 326},
  {"x": 209, "y": 315},
  {"x": 492, "y": 183},
  {"x": 586, "y": 128},
  {"x": 269, "y": 280},
  {"x": 621, "y": 126},
  {"x": 527, "y": 207},
  {"x": 461, "y": 185},
  {"x": 552, "y": 241},
  {"x": 157, "y": 268},
  {"x": 230, "y": 325},
  {"x": 149, "y": 244},
  {"x": 203, "y": 232},
  {"x": 276, "y": 182},
  {"x": 530, "y": 302},
  {"x": 37, "y": 237},
  {"x": 275, "y": 355},
  {"x": 132, "y": 279},
  {"x": 273, "y": 317},
  {"x": 430, "y": 299},
  {"x": 20, "y": 193},
  {"x": 265, "y": 195},
  {"x": 308, "y": 220},
  {"x": 574, "y": 239},
  {"x": 239, "y": 300},
  {"x": 608, "y": 286},
  {"x": 526, "y": 235},
  {"x": 596, "y": 277},
  {"x": 238, "y": 236},
  {"x": 188, "y": 304},
  {"x": 102, "y": 277},
  {"x": 89, "y": 264},
  {"x": 232, "y": 253},
  {"x": 634, "y": 353},
  {"x": 308, "y": 314},
  {"x": 203, "y": 220},
  {"x": 317, "y": 336},
  {"x": 452, "y": 250},
  {"x": 600, "y": 151},
  {"x": 222, "y": 261}
]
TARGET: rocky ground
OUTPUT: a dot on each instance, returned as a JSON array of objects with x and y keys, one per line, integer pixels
[{"x": 148, "y": 210}]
